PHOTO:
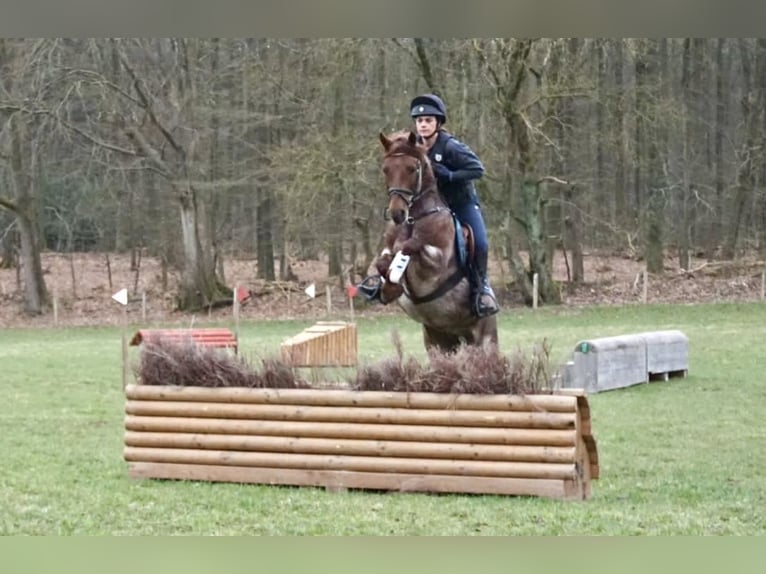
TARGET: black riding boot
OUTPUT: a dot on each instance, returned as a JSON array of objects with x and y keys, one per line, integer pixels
[
  {"x": 370, "y": 287},
  {"x": 483, "y": 299}
]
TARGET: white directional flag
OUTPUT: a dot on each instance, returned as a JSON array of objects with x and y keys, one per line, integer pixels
[
  {"x": 121, "y": 296},
  {"x": 311, "y": 291}
]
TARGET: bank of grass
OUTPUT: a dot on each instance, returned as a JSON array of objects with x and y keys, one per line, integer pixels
[{"x": 681, "y": 457}]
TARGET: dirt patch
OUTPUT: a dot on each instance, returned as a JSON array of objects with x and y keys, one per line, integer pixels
[{"x": 83, "y": 288}]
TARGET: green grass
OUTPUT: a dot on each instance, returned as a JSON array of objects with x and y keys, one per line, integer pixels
[{"x": 682, "y": 457}]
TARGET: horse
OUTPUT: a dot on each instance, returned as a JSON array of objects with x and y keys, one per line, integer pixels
[{"x": 434, "y": 289}]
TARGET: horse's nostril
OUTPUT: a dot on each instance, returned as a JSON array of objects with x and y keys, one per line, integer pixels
[{"x": 398, "y": 215}]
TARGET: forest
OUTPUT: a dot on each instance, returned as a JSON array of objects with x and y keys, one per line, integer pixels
[{"x": 200, "y": 151}]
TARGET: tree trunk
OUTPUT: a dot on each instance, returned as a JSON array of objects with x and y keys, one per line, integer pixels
[
  {"x": 620, "y": 181},
  {"x": 649, "y": 140},
  {"x": 684, "y": 244},
  {"x": 36, "y": 298},
  {"x": 531, "y": 194},
  {"x": 199, "y": 285},
  {"x": 749, "y": 151},
  {"x": 657, "y": 148},
  {"x": 716, "y": 233},
  {"x": 26, "y": 209},
  {"x": 573, "y": 234}
]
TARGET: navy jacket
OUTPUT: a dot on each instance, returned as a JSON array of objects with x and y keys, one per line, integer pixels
[{"x": 463, "y": 167}]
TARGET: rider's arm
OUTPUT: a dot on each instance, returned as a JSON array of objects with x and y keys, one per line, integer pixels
[{"x": 462, "y": 162}]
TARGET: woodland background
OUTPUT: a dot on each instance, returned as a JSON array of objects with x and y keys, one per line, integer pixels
[{"x": 198, "y": 154}]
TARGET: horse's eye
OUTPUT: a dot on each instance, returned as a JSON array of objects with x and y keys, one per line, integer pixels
[{"x": 411, "y": 168}]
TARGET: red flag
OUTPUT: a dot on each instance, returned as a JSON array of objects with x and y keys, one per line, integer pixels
[{"x": 243, "y": 294}]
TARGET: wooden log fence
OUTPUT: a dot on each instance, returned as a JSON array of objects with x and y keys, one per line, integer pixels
[{"x": 501, "y": 444}]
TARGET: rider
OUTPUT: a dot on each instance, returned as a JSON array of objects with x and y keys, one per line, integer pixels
[{"x": 456, "y": 167}]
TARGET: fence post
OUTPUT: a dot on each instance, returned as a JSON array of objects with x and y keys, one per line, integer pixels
[
  {"x": 235, "y": 308},
  {"x": 646, "y": 287}
]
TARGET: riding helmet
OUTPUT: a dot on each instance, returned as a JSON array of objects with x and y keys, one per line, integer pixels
[{"x": 429, "y": 105}]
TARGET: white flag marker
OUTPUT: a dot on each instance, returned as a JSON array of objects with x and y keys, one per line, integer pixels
[
  {"x": 121, "y": 296},
  {"x": 311, "y": 291}
]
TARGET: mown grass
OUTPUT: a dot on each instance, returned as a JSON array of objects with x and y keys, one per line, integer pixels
[{"x": 681, "y": 457}]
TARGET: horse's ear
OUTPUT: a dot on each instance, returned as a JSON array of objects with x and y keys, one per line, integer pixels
[
  {"x": 385, "y": 141},
  {"x": 413, "y": 139}
]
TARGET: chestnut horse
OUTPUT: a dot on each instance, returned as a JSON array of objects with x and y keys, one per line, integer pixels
[{"x": 434, "y": 289}]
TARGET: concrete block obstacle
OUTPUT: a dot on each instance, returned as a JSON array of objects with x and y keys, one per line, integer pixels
[
  {"x": 609, "y": 363},
  {"x": 667, "y": 354}
]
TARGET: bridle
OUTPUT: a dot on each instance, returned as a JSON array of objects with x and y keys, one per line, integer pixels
[{"x": 411, "y": 196}]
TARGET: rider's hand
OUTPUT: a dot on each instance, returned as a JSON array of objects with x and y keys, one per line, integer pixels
[{"x": 442, "y": 173}]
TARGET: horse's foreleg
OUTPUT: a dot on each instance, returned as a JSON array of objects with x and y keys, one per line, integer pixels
[
  {"x": 390, "y": 292},
  {"x": 383, "y": 262},
  {"x": 411, "y": 247}
]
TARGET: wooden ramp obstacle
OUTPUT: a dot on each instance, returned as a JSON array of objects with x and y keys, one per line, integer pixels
[
  {"x": 538, "y": 445},
  {"x": 324, "y": 344},
  {"x": 615, "y": 362}
]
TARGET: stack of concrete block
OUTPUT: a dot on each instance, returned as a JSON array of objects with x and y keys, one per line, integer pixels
[{"x": 615, "y": 362}]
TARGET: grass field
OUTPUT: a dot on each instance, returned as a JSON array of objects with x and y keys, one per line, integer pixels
[{"x": 682, "y": 457}]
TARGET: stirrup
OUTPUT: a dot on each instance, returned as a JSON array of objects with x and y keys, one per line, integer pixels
[
  {"x": 482, "y": 310},
  {"x": 370, "y": 287}
]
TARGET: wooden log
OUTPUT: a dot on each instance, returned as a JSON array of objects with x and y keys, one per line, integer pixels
[
  {"x": 353, "y": 463},
  {"x": 513, "y": 419},
  {"x": 435, "y": 433},
  {"x": 352, "y": 439},
  {"x": 548, "y": 403},
  {"x": 405, "y": 449},
  {"x": 559, "y": 489}
]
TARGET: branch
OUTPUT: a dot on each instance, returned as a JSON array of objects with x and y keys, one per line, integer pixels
[
  {"x": 94, "y": 140},
  {"x": 406, "y": 49},
  {"x": 147, "y": 150},
  {"x": 424, "y": 64},
  {"x": 517, "y": 219},
  {"x": 6, "y": 107},
  {"x": 487, "y": 66},
  {"x": 552, "y": 179},
  {"x": 9, "y": 205},
  {"x": 147, "y": 105},
  {"x": 98, "y": 79}
]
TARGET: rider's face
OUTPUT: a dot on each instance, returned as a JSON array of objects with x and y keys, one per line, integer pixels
[{"x": 426, "y": 125}]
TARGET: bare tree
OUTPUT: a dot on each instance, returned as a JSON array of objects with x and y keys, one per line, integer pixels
[
  {"x": 22, "y": 134},
  {"x": 512, "y": 75}
]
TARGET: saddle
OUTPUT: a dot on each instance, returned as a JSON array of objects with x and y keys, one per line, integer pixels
[{"x": 464, "y": 244}]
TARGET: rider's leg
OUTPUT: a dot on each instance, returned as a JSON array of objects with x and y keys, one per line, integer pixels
[{"x": 483, "y": 300}]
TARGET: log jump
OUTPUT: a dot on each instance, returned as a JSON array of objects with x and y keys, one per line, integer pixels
[{"x": 538, "y": 445}]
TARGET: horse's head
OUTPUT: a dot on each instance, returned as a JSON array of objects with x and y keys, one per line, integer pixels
[{"x": 407, "y": 172}]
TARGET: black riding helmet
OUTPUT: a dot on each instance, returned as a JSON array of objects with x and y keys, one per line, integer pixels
[{"x": 429, "y": 105}]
